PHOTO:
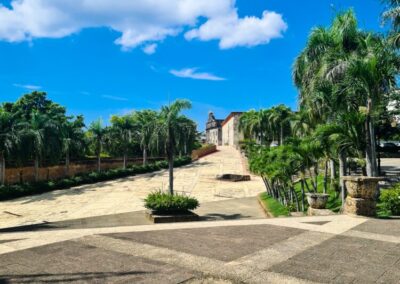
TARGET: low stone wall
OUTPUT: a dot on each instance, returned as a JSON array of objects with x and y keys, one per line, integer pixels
[
  {"x": 203, "y": 151},
  {"x": 27, "y": 174}
]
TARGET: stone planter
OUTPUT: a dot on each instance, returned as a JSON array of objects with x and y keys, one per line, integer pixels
[
  {"x": 361, "y": 195},
  {"x": 317, "y": 200}
]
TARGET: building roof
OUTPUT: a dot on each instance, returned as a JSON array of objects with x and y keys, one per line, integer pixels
[{"x": 232, "y": 114}]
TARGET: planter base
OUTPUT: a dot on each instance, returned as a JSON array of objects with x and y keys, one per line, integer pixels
[
  {"x": 171, "y": 218},
  {"x": 319, "y": 212},
  {"x": 360, "y": 207}
]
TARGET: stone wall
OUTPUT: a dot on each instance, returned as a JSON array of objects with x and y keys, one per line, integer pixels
[
  {"x": 27, "y": 174},
  {"x": 203, "y": 151}
]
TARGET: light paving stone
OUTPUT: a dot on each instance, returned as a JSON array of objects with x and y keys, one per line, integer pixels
[{"x": 127, "y": 195}]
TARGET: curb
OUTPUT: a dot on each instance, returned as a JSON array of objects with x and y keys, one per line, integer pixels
[{"x": 264, "y": 208}]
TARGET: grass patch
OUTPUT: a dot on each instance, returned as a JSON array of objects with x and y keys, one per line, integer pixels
[{"x": 273, "y": 206}]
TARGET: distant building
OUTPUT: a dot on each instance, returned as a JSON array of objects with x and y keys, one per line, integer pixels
[
  {"x": 214, "y": 130},
  {"x": 231, "y": 135}
]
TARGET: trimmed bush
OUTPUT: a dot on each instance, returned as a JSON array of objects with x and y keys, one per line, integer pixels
[
  {"x": 390, "y": 200},
  {"x": 8, "y": 192},
  {"x": 162, "y": 202}
]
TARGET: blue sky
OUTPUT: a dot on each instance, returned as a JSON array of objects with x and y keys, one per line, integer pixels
[{"x": 87, "y": 69}]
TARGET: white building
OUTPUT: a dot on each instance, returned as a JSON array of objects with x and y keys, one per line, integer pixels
[{"x": 231, "y": 135}]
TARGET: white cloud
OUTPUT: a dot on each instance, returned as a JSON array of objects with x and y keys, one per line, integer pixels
[
  {"x": 28, "y": 87},
  {"x": 150, "y": 49},
  {"x": 141, "y": 23},
  {"x": 114, "y": 98},
  {"x": 192, "y": 74}
]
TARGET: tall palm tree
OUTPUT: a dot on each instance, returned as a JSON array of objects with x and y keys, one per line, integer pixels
[
  {"x": 34, "y": 132},
  {"x": 125, "y": 127},
  {"x": 72, "y": 137},
  {"x": 280, "y": 116},
  {"x": 392, "y": 15},
  {"x": 166, "y": 132},
  {"x": 8, "y": 138},
  {"x": 145, "y": 121},
  {"x": 98, "y": 132}
]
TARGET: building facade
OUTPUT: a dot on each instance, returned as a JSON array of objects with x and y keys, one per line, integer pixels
[
  {"x": 214, "y": 130},
  {"x": 231, "y": 135}
]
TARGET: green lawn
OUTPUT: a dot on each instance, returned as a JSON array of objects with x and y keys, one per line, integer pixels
[{"x": 273, "y": 206}]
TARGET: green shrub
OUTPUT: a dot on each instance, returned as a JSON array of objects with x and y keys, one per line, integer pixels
[
  {"x": 162, "y": 202},
  {"x": 390, "y": 200}
]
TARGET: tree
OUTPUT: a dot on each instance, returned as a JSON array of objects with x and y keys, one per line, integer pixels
[
  {"x": 392, "y": 15},
  {"x": 73, "y": 138},
  {"x": 124, "y": 126},
  {"x": 280, "y": 116},
  {"x": 8, "y": 139},
  {"x": 97, "y": 133},
  {"x": 145, "y": 122},
  {"x": 166, "y": 131},
  {"x": 34, "y": 133}
]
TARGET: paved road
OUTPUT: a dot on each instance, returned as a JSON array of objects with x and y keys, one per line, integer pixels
[
  {"x": 328, "y": 249},
  {"x": 126, "y": 195}
]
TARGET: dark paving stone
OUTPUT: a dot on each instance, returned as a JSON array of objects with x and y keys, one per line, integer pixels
[
  {"x": 222, "y": 243},
  {"x": 379, "y": 226},
  {"x": 345, "y": 260},
  {"x": 78, "y": 263}
]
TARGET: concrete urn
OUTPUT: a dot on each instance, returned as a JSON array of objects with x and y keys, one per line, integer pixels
[
  {"x": 317, "y": 200},
  {"x": 361, "y": 195}
]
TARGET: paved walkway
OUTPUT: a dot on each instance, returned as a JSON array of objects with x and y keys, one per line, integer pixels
[
  {"x": 126, "y": 195},
  {"x": 328, "y": 249}
]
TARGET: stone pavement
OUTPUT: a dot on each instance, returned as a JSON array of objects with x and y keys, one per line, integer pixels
[
  {"x": 126, "y": 195},
  {"x": 325, "y": 249}
]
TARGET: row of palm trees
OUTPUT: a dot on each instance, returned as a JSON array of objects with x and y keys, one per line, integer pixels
[
  {"x": 35, "y": 128},
  {"x": 166, "y": 132},
  {"x": 346, "y": 79}
]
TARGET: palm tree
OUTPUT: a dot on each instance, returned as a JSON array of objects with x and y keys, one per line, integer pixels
[
  {"x": 166, "y": 132},
  {"x": 280, "y": 116},
  {"x": 72, "y": 136},
  {"x": 35, "y": 133},
  {"x": 98, "y": 132},
  {"x": 392, "y": 15},
  {"x": 125, "y": 126},
  {"x": 8, "y": 138},
  {"x": 145, "y": 121}
]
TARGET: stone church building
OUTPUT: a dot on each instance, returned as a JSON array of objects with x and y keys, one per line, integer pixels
[{"x": 224, "y": 132}]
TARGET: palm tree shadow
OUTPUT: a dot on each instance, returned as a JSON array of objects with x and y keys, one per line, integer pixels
[{"x": 67, "y": 277}]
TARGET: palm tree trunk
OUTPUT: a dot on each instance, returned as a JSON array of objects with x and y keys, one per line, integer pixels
[
  {"x": 326, "y": 177},
  {"x": 333, "y": 171},
  {"x": 144, "y": 156},
  {"x": 281, "y": 134},
  {"x": 67, "y": 161},
  {"x": 125, "y": 160},
  {"x": 2, "y": 169},
  {"x": 36, "y": 168},
  {"x": 342, "y": 172},
  {"x": 171, "y": 173},
  {"x": 303, "y": 205},
  {"x": 370, "y": 153}
]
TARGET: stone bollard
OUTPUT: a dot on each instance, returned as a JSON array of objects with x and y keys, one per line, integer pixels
[{"x": 361, "y": 195}]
